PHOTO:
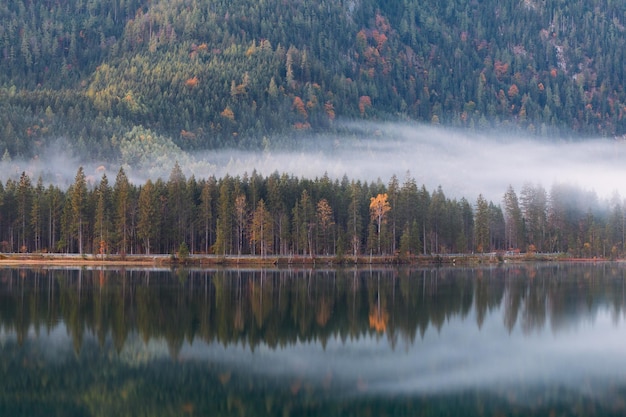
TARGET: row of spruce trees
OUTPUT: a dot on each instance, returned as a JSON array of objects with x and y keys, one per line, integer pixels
[{"x": 284, "y": 215}]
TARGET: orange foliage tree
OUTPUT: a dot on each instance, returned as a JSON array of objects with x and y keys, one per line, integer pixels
[
  {"x": 298, "y": 104},
  {"x": 191, "y": 82},
  {"x": 364, "y": 102},
  {"x": 379, "y": 207}
]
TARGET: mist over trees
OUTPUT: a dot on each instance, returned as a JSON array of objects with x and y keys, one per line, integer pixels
[
  {"x": 283, "y": 215},
  {"x": 202, "y": 74}
]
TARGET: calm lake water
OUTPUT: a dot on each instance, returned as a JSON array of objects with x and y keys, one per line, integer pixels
[{"x": 537, "y": 339}]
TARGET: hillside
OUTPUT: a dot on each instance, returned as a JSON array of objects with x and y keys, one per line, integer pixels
[{"x": 114, "y": 76}]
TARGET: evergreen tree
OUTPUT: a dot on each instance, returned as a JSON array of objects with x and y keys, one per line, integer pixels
[
  {"x": 102, "y": 221},
  {"x": 223, "y": 240},
  {"x": 513, "y": 219},
  {"x": 79, "y": 201},
  {"x": 207, "y": 211},
  {"x": 147, "y": 217},
  {"x": 178, "y": 205},
  {"x": 481, "y": 225},
  {"x": 24, "y": 196},
  {"x": 122, "y": 203},
  {"x": 355, "y": 221},
  {"x": 260, "y": 229},
  {"x": 36, "y": 214}
]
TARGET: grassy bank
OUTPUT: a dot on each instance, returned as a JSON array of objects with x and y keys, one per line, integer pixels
[{"x": 247, "y": 260}]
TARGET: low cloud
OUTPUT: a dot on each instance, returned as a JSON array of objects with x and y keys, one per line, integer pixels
[{"x": 465, "y": 164}]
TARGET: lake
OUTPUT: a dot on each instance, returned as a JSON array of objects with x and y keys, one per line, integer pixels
[{"x": 530, "y": 339}]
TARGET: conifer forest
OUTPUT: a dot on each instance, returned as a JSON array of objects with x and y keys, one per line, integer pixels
[
  {"x": 282, "y": 215},
  {"x": 120, "y": 80}
]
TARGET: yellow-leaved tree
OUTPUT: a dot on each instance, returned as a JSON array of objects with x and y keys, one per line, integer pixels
[{"x": 379, "y": 207}]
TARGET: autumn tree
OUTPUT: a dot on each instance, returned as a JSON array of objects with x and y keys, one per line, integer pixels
[
  {"x": 324, "y": 224},
  {"x": 261, "y": 227},
  {"x": 379, "y": 207}
]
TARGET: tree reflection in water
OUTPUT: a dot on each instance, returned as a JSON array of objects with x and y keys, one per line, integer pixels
[{"x": 121, "y": 323}]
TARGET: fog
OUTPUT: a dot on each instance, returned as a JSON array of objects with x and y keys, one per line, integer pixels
[{"x": 464, "y": 164}]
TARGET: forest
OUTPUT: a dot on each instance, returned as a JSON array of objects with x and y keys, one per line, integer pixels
[
  {"x": 124, "y": 81},
  {"x": 283, "y": 215},
  {"x": 208, "y": 74}
]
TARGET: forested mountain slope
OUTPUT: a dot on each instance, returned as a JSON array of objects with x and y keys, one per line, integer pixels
[{"x": 206, "y": 73}]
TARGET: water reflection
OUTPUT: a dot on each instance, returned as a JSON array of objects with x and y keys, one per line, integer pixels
[
  {"x": 278, "y": 307},
  {"x": 522, "y": 339}
]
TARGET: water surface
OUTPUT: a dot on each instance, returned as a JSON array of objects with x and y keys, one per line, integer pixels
[{"x": 540, "y": 339}]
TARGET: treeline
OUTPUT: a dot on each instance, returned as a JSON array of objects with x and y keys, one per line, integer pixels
[
  {"x": 284, "y": 215},
  {"x": 231, "y": 74}
]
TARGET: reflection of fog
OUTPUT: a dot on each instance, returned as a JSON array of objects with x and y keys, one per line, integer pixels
[
  {"x": 272, "y": 310},
  {"x": 458, "y": 357},
  {"x": 531, "y": 335}
]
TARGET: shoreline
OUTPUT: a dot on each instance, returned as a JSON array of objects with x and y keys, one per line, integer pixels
[{"x": 163, "y": 260}]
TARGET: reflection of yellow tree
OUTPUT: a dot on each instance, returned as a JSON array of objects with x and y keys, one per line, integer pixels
[
  {"x": 323, "y": 312},
  {"x": 378, "y": 317},
  {"x": 379, "y": 207}
]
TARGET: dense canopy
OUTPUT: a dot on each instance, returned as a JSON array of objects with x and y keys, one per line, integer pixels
[
  {"x": 209, "y": 73},
  {"x": 282, "y": 215}
]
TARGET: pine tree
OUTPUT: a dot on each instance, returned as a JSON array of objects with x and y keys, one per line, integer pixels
[
  {"x": 481, "y": 225},
  {"x": 178, "y": 205},
  {"x": 121, "y": 200},
  {"x": 206, "y": 201},
  {"x": 147, "y": 224},
  {"x": 241, "y": 217},
  {"x": 36, "y": 214},
  {"x": 260, "y": 228},
  {"x": 79, "y": 202},
  {"x": 513, "y": 219},
  {"x": 224, "y": 233},
  {"x": 102, "y": 225},
  {"x": 24, "y": 196},
  {"x": 355, "y": 222}
]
